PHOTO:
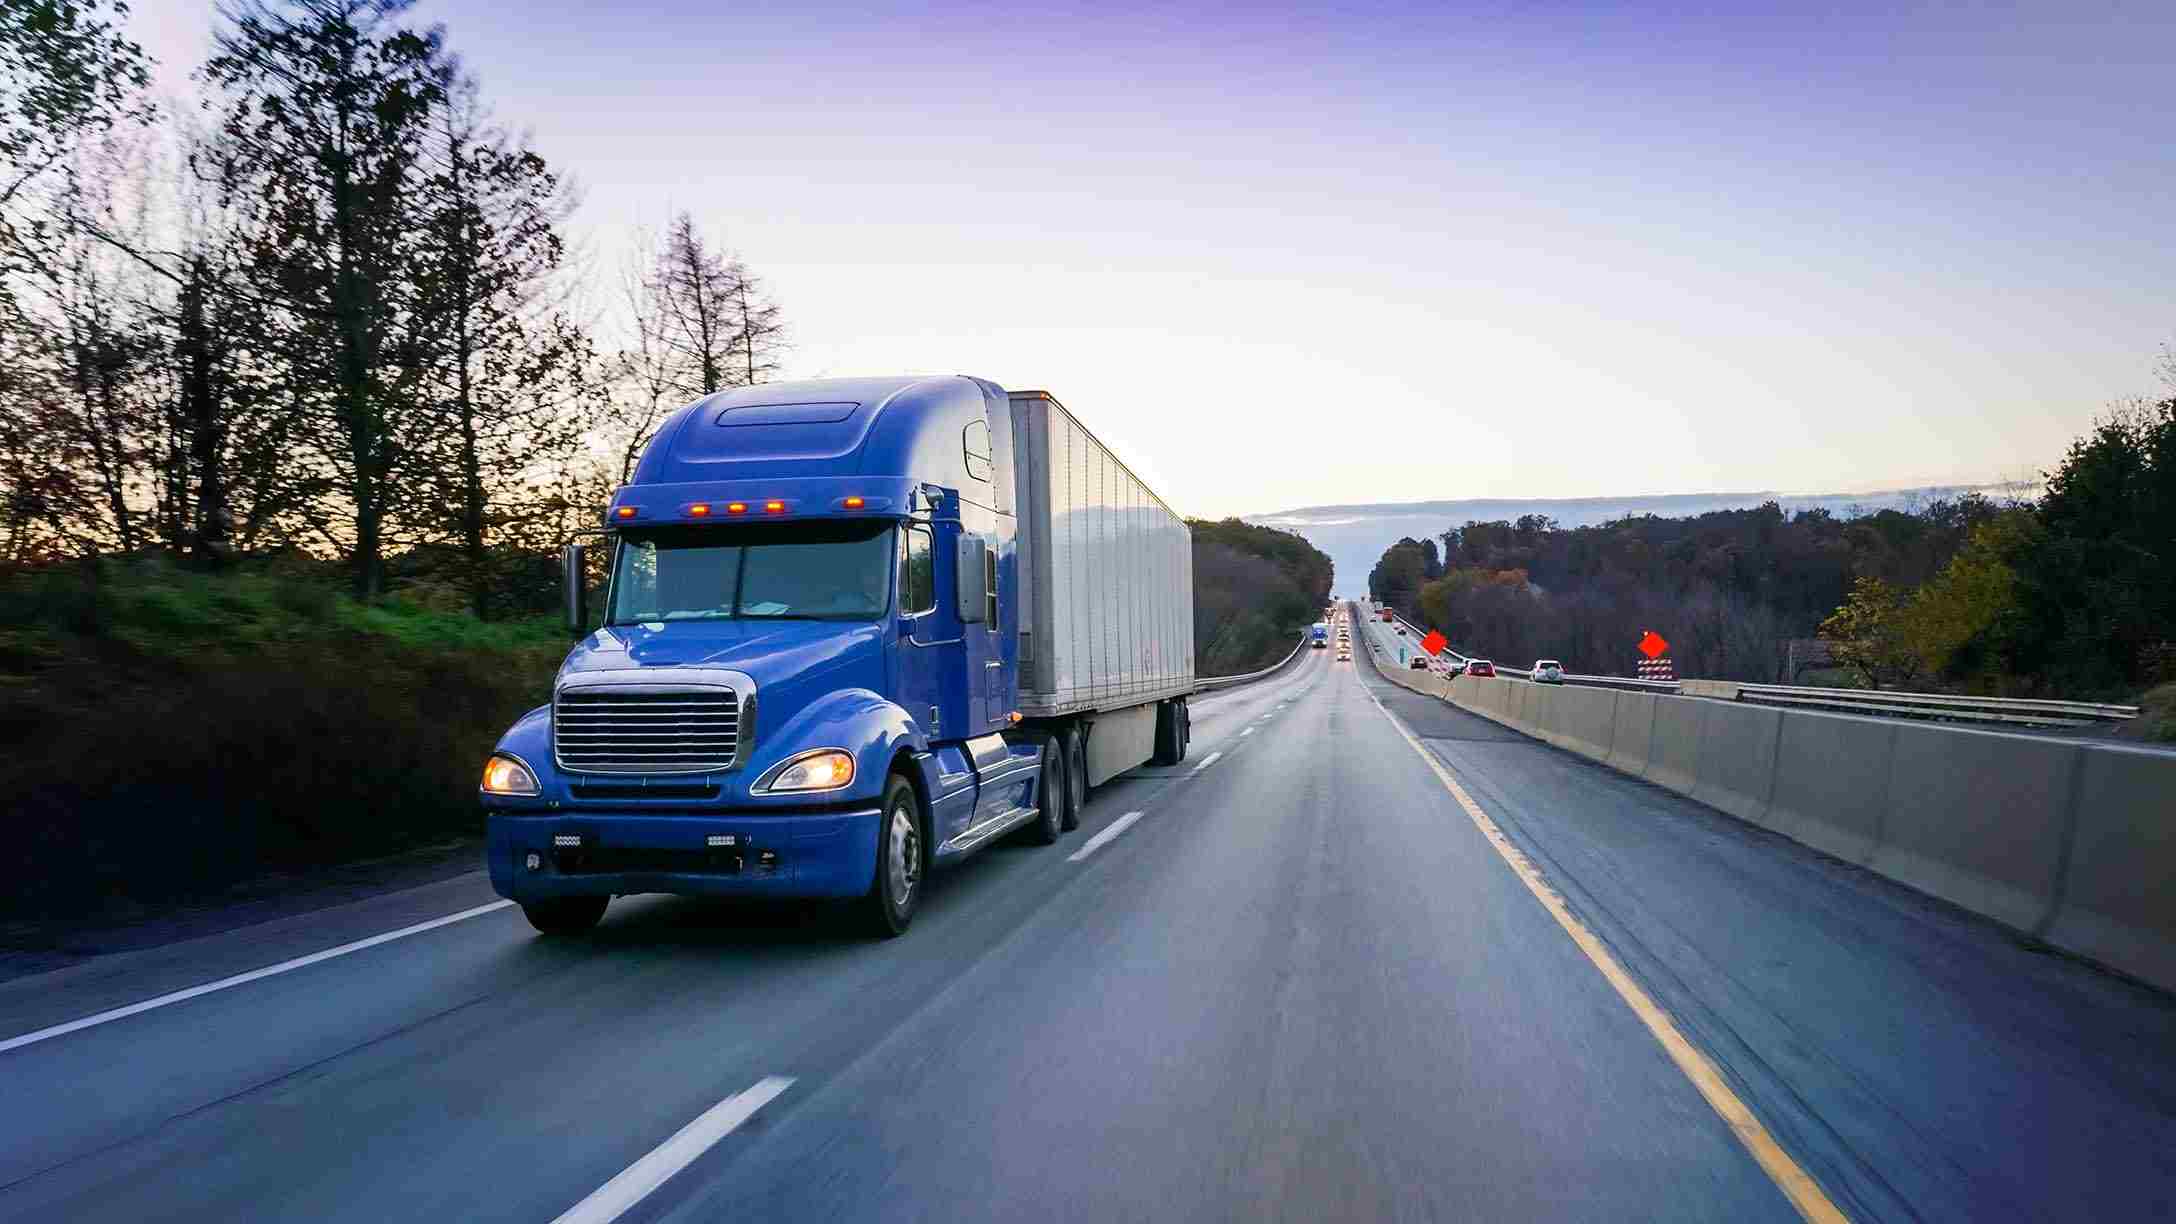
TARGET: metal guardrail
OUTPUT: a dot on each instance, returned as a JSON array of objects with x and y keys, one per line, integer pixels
[
  {"x": 2014, "y": 711},
  {"x": 1210, "y": 684},
  {"x": 2018, "y": 710}
]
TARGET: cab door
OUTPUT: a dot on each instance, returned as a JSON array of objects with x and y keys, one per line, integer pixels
[
  {"x": 928, "y": 647},
  {"x": 982, "y": 634}
]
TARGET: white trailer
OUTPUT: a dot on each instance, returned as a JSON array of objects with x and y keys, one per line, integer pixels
[{"x": 1107, "y": 594}]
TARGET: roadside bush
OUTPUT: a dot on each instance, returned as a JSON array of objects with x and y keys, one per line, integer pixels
[
  {"x": 178, "y": 732},
  {"x": 2156, "y": 719}
]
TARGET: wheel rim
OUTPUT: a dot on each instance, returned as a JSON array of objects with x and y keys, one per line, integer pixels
[{"x": 905, "y": 863}]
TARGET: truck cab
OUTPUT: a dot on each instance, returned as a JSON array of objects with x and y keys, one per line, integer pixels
[{"x": 801, "y": 675}]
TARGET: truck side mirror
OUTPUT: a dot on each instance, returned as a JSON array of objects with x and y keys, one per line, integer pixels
[
  {"x": 573, "y": 579},
  {"x": 968, "y": 578}
]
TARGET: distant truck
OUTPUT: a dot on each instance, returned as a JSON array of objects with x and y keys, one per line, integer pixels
[
  {"x": 852, "y": 628},
  {"x": 1389, "y": 616},
  {"x": 1319, "y": 635}
]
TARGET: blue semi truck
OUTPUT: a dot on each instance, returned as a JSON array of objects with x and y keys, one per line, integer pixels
[{"x": 850, "y": 629}]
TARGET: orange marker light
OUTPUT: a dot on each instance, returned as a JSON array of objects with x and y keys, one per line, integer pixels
[
  {"x": 854, "y": 503},
  {"x": 624, "y": 512},
  {"x": 736, "y": 507},
  {"x": 699, "y": 509},
  {"x": 774, "y": 507}
]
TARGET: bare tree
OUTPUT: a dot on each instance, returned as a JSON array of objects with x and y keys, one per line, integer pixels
[
  {"x": 720, "y": 327},
  {"x": 693, "y": 288}
]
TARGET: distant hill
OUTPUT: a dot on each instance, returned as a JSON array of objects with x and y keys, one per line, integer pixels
[
  {"x": 1253, "y": 589},
  {"x": 1355, "y": 536}
]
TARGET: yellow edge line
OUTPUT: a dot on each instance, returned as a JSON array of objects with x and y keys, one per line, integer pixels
[{"x": 1804, "y": 1193}]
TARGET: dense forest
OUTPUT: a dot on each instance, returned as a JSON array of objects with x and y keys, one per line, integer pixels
[
  {"x": 1254, "y": 588},
  {"x": 2073, "y": 594}
]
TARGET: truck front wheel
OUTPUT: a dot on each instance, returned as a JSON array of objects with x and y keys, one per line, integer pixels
[
  {"x": 889, "y": 906},
  {"x": 1076, "y": 750},
  {"x": 1071, "y": 746},
  {"x": 1050, "y": 790},
  {"x": 564, "y": 915}
]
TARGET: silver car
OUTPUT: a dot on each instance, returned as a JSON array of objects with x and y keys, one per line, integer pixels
[{"x": 1547, "y": 671}]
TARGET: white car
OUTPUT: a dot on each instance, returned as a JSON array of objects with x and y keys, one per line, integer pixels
[{"x": 1546, "y": 671}]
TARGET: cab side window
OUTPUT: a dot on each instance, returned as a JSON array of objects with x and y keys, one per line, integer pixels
[
  {"x": 975, "y": 448},
  {"x": 917, "y": 571}
]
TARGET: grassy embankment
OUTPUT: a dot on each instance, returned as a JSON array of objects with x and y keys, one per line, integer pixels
[{"x": 177, "y": 732}]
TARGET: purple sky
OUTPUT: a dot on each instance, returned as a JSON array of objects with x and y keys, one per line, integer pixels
[{"x": 1512, "y": 250}]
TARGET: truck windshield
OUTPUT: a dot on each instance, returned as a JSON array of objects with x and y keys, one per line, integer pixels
[{"x": 754, "y": 571}]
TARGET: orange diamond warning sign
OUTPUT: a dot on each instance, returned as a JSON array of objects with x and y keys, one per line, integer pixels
[
  {"x": 1434, "y": 642},
  {"x": 1652, "y": 644}
]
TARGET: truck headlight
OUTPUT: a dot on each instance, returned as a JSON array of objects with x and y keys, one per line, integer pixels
[
  {"x": 822, "y": 770},
  {"x": 506, "y": 775}
]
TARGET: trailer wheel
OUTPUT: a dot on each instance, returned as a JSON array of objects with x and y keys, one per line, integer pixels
[
  {"x": 1076, "y": 777},
  {"x": 1170, "y": 741},
  {"x": 564, "y": 915},
  {"x": 888, "y": 907},
  {"x": 1186, "y": 728},
  {"x": 1050, "y": 789}
]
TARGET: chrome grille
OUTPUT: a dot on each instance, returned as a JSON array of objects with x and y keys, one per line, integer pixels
[{"x": 647, "y": 732}]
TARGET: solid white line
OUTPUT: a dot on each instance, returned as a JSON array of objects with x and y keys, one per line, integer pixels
[
  {"x": 1101, "y": 839},
  {"x": 1206, "y": 762},
  {"x": 58, "y": 1030},
  {"x": 1248, "y": 731},
  {"x": 635, "y": 1183}
]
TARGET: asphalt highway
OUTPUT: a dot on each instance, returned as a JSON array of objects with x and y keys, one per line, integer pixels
[{"x": 1292, "y": 978}]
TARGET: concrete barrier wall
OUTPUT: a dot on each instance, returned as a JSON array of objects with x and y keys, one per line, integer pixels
[
  {"x": 1979, "y": 818},
  {"x": 1589, "y": 714},
  {"x": 1494, "y": 694},
  {"x": 1467, "y": 693},
  {"x": 1631, "y": 730},
  {"x": 2072, "y": 841},
  {"x": 1507, "y": 702},
  {"x": 1489, "y": 697},
  {"x": 1737, "y": 766},
  {"x": 1517, "y": 704},
  {"x": 1673, "y": 754},
  {"x": 1831, "y": 788},
  {"x": 1544, "y": 709},
  {"x": 2118, "y": 899}
]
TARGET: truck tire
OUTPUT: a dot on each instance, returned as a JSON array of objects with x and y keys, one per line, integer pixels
[
  {"x": 1186, "y": 728},
  {"x": 564, "y": 915},
  {"x": 1170, "y": 747},
  {"x": 1076, "y": 777},
  {"x": 888, "y": 907},
  {"x": 1049, "y": 822}
]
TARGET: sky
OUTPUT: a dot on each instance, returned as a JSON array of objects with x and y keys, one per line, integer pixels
[{"x": 1282, "y": 257}]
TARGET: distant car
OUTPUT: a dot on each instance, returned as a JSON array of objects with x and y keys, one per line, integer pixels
[
  {"x": 1344, "y": 656},
  {"x": 1419, "y": 663},
  {"x": 1547, "y": 671},
  {"x": 1480, "y": 667},
  {"x": 1454, "y": 668},
  {"x": 1401, "y": 631}
]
